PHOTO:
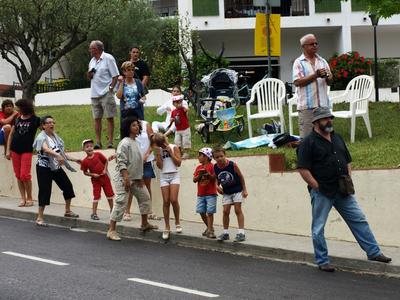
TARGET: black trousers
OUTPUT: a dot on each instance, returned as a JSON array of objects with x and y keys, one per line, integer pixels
[{"x": 45, "y": 178}]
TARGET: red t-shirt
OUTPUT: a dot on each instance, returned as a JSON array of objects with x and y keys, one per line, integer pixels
[
  {"x": 95, "y": 164},
  {"x": 181, "y": 119},
  {"x": 3, "y": 116},
  {"x": 206, "y": 187}
]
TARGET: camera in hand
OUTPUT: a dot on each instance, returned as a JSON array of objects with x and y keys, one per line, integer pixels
[{"x": 92, "y": 70}]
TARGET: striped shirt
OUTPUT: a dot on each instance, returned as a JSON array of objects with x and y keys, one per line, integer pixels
[{"x": 314, "y": 94}]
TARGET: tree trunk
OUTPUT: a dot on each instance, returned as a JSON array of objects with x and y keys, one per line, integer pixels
[{"x": 28, "y": 90}]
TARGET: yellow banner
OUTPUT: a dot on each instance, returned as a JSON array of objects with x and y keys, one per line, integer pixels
[{"x": 260, "y": 35}]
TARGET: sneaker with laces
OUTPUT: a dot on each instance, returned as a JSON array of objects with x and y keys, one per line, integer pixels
[
  {"x": 113, "y": 236},
  {"x": 223, "y": 237},
  {"x": 240, "y": 237}
]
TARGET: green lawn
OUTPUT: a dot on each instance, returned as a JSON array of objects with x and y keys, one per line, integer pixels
[{"x": 74, "y": 123}]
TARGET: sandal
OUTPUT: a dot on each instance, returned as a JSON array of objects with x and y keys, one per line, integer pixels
[
  {"x": 41, "y": 223},
  {"x": 29, "y": 203},
  {"x": 94, "y": 217},
  {"x": 127, "y": 217},
  {"x": 154, "y": 217},
  {"x": 178, "y": 228},
  {"x": 148, "y": 227},
  {"x": 71, "y": 214},
  {"x": 22, "y": 204}
]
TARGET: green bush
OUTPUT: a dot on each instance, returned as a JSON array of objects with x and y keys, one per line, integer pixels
[{"x": 388, "y": 72}]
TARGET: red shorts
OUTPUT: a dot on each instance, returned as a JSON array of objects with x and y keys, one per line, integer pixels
[
  {"x": 22, "y": 165},
  {"x": 98, "y": 183}
]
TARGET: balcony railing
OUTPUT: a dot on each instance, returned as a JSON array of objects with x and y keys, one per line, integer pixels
[{"x": 245, "y": 9}]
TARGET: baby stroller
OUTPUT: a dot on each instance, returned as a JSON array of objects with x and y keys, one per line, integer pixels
[{"x": 218, "y": 110}]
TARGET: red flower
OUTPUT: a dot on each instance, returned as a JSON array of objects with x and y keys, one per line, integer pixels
[
  {"x": 356, "y": 55},
  {"x": 362, "y": 59},
  {"x": 345, "y": 74},
  {"x": 345, "y": 56},
  {"x": 369, "y": 62}
]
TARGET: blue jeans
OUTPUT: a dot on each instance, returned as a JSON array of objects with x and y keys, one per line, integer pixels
[{"x": 353, "y": 216}]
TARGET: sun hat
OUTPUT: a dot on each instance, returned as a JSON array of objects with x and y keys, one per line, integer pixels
[
  {"x": 206, "y": 151},
  {"x": 321, "y": 113},
  {"x": 86, "y": 141}
]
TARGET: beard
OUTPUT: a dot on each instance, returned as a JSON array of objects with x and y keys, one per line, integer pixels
[{"x": 328, "y": 127}]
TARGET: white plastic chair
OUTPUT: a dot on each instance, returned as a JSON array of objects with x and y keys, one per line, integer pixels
[
  {"x": 292, "y": 109},
  {"x": 270, "y": 96},
  {"x": 357, "y": 93},
  {"x": 293, "y": 113}
]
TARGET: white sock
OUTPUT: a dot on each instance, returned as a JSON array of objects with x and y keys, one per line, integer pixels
[
  {"x": 226, "y": 231},
  {"x": 241, "y": 231}
]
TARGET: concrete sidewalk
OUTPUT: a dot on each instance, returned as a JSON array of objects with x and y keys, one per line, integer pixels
[{"x": 344, "y": 255}]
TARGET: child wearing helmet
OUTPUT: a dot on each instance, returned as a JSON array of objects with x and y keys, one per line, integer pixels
[{"x": 204, "y": 176}]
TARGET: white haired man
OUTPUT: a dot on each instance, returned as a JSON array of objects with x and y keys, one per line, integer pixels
[
  {"x": 311, "y": 76},
  {"x": 103, "y": 73}
]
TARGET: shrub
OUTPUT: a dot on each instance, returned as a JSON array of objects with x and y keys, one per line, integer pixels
[
  {"x": 388, "y": 72},
  {"x": 347, "y": 66}
]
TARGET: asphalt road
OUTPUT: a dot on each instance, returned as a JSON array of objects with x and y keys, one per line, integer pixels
[{"x": 96, "y": 268}]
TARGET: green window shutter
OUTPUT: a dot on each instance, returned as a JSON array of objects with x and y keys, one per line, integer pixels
[
  {"x": 358, "y": 5},
  {"x": 205, "y": 8},
  {"x": 323, "y": 6}
]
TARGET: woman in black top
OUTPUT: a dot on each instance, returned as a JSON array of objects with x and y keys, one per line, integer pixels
[{"x": 19, "y": 148}]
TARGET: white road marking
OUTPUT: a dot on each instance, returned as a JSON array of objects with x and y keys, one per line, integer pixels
[
  {"x": 53, "y": 262},
  {"x": 175, "y": 288}
]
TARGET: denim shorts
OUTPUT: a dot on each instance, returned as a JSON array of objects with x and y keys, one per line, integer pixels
[
  {"x": 206, "y": 204},
  {"x": 2, "y": 137},
  {"x": 148, "y": 171}
]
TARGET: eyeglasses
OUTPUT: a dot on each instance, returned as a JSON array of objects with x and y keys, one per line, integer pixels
[{"x": 312, "y": 44}]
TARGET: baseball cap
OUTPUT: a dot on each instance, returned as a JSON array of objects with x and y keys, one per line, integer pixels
[
  {"x": 177, "y": 98},
  {"x": 206, "y": 151},
  {"x": 86, "y": 141}
]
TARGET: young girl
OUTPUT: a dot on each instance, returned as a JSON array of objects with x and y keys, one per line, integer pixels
[
  {"x": 168, "y": 159},
  {"x": 19, "y": 148}
]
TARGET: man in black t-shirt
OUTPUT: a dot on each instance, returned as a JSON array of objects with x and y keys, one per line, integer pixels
[
  {"x": 141, "y": 69},
  {"x": 323, "y": 161}
]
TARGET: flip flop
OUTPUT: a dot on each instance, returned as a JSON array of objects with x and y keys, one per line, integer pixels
[
  {"x": 29, "y": 203},
  {"x": 71, "y": 214},
  {"x": 22, "y": 204},
  {"x": 41, "y": 223}
]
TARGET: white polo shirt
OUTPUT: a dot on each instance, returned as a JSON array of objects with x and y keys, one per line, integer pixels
[{"x": 106, "y": 69}]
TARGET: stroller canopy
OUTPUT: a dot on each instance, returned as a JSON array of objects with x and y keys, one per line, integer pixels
[{"x": 221, "y": 82}]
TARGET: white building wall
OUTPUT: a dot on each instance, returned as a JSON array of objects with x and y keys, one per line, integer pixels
[{"x": 336, "y": 32}]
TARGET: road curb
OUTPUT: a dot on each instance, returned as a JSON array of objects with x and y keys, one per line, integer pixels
[{"x": 244, "y": 249}]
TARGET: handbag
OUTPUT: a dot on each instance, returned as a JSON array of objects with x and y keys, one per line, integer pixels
[{"x": 346, "y": 186}]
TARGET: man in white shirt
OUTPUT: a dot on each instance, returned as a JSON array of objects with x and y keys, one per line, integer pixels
[{"x": 103, "y": 73}]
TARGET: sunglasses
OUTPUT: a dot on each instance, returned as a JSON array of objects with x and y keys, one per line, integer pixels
[{"x": 312, "y": 44}]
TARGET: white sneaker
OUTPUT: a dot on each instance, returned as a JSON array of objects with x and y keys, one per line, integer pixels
[
  {"x": 113, "y": 236},
  {"x": 165, "y": 235},
  {"x": 178, "y": 228}
]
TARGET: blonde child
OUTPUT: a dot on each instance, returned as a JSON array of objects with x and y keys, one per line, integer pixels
[{"x": 168, "y": 160}]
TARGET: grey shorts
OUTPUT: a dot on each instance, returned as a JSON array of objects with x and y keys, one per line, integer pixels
[
  {"x": 305, "y": 124},
  {"x": 104, "y": 105},
  {"x": 183, "y": 138}
]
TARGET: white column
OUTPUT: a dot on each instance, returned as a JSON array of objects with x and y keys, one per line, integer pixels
[{"x": 345, "y": 38}]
